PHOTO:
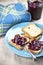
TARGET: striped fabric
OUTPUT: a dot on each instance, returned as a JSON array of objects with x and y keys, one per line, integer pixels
[{"x": 11, "y": 15}]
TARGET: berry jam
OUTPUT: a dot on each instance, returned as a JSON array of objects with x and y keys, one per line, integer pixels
[
  {"x": 34, "y": 45},
  {"x": 19, "y": 40},
  {"x": 35, "y": 9}
]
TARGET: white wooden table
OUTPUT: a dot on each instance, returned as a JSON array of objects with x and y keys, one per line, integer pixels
[{"x": 9, "y": 58}]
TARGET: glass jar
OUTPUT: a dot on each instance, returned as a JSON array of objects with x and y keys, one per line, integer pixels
[{"x": 35, "y": 9}]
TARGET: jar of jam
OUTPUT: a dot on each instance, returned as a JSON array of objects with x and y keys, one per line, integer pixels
[{"x": 35, "y": 9}]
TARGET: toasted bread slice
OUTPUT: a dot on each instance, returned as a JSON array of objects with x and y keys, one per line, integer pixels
[
  {"x": 32, "y": 30},
  {"x": 18, "y": 46},
  {"x": 26, "y": 35},
  {"x": 29, "y": 50}
]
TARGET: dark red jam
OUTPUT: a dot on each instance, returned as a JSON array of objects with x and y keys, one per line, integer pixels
[
  {"x": 34, "y": 45},
  {"x": 19, "y": 40},
  {"x": 35, "y": 9}
]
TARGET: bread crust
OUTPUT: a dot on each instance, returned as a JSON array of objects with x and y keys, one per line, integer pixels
[
  {"x": 27, "y": 32},
  {"x": 30, "y": 35},
  {"x": 34, "y": 52},
  {"x": 26, "y": 35},
  {"x": 16, "y": 45}
]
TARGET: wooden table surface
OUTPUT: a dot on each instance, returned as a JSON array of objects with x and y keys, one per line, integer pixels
[{"x": 9, "y": 58}]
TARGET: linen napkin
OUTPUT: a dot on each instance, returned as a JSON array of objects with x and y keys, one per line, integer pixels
[{"x": 13, "y": 14}]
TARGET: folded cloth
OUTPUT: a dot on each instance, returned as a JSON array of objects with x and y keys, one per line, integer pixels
[
  {"x": 13, "y": 14},
  {"x": 1, "y": 10}
]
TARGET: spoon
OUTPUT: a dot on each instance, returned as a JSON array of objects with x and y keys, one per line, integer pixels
[{"x": 33, "y": 56}]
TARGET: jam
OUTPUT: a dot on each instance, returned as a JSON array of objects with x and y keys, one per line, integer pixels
[
  {"x": 34, "y": 45},
  {"x": 19, "y": 40},
  {"x": 35, "y": 9}
]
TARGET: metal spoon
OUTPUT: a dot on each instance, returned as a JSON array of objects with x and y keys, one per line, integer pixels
[{"x": 33, "y": 56}]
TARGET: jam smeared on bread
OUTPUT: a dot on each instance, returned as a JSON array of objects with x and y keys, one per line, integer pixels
[
  {"x": 34, "y": 45},
  {"x": 18, "y": 40}
]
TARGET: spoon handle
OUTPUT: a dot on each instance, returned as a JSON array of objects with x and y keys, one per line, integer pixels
[{"x": 33, "y": 56}]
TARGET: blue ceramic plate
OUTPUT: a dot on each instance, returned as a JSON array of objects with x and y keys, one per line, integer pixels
[{"x": 17, "y": 29}]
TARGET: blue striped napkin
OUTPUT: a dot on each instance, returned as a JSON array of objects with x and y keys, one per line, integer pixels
[{"x": 13, "y": 14}]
